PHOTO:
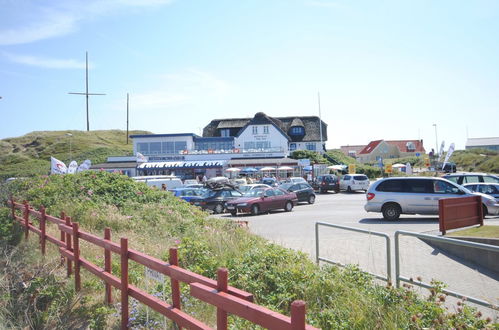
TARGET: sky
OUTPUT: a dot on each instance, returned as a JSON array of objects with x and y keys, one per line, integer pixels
[{"x": 384, "y": 69}]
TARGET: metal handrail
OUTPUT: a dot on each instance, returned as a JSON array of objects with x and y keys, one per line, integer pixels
[
  {"x": 399, "y": 278},
  {"x": 358, "y": 230}
]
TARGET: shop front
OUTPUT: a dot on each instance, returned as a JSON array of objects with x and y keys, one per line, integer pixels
[{"x": 183, "y": 169}]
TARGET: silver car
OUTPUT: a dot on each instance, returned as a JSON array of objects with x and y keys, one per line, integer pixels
[{"x": 396, "y": 196}]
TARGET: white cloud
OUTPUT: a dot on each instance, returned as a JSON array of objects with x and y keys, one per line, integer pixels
[
  {"x": 45, "y": 62},
  {"x": 33, "y": 22}
]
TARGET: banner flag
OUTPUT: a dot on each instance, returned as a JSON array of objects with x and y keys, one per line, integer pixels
[
  {"x": 449, "y": 153},
  {"x": 141, "y": 158},
  {"x": 84, "y": 166},
  {"x": 442, "y": 146},
  {"x": 73, "y": 166},
  {"x": 57, "y": 167}
]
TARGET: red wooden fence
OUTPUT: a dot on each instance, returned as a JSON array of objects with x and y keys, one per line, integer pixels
[
  {"x": 459, "y": 212},
  {"x": 218, "y": 293}
]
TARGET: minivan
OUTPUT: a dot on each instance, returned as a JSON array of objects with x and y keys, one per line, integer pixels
[{"x": 396, "y": 196}]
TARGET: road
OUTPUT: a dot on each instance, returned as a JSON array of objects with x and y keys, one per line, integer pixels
[{"x": 296, "y": 230}]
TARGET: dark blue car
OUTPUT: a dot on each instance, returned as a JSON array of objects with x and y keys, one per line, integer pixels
[{"x": 187, "y": 194}]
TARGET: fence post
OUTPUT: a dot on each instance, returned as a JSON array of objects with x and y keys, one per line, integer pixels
[
  {"x": 26, "y": 219},
  {"x": 222, "y": 284},
  {"x": 298, "y": 315},
  {"x": 124, "y": 283},
  {"x": 68, "y": 247},
  {"x": 76, "y": 254},
  {"x": 43, "y": 221},
  {"x": 173, "y": 260},
  {"x": 107, "y": 266},
  {"x": 63, "y": 236}
]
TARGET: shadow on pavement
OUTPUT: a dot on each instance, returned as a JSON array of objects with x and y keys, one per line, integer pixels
[{"x": 402, "y": 220}]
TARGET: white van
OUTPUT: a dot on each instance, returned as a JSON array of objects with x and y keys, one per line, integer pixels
[{"x": 171, "y": 182}]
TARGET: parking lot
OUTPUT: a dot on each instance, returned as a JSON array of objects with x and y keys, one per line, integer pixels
[{"x": 296, "y": 230}]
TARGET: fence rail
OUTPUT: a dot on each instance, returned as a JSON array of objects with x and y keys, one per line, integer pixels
[
  {"x": 358, "y": 230},
  {"x": 399, "y": 278},
  {"x": 225, "y": 298}
]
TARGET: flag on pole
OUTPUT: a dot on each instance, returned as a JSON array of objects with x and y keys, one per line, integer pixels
[
  {"x": 442, "y": 146},
  {"x": 141, "y": 158},
  {"x": 84, "y": 166},
  {"x": 57, "y": 167},
  {"x": 449, "y": 153},
  {"x": 73, "y": 166}
]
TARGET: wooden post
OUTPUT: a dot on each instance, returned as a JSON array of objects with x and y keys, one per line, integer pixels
[
  {"x": 175, "y": 285},
  {"x": 124, "y": 283},
  {"x": 68, "y": 247},
  {"x": 26, "y": 219},
  {"x": 43, "y": 221},
  {"x": 222, "y": 284},
  {"x": 298, "y": 315},
  {"x": 76, "y": 254},
  {"x": 107, "y": 266}
]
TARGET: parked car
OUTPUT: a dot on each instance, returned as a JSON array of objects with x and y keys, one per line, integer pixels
[
  {"x": 304, "y": 192},
  {"x": 247, "y": 187},
  {"x": 238, "y": 182},
  {"x": 215, "y": 199},
  {"x": 324, "y": 183},
  {"x": 354, "y": 182},
  {"x": 396, "y": 196},
  {"x": 187, "y": 193},
  {"x": 491, "y": 189},
  {"x": 263, "y": 200},
  {"x": 271, "y": 182},
  {"x": 296, "y": 179},
  {"x": 462, "y": 178}
]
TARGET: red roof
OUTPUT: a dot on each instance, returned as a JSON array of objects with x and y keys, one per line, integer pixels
[
  {"x": 370, "y": 147},
  {"x": 402, "y": 145}
]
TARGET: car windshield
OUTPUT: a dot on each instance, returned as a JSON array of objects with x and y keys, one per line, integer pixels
[
  {"x": 254, "y": 193},
  {"x": 286, "y": 186},
  {"x": 207, "y": 193}
]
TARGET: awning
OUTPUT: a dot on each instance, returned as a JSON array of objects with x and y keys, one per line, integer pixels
[{"x": 183, "y": 164}]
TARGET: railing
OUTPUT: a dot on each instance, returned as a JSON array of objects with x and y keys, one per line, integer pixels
[
  {"x": 399, "y": 277},
  {"x": 218, "y": 293},
  {"x": 385, "y": 236}
]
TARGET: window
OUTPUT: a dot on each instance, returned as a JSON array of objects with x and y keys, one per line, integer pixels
[
  {"x": 311, "y": 146},
  {"x": 263, "y": 145},
  {"x": 278, "y": 192},
  {"x": 297, "y": 130},
  {"x": 155, "y": 148},
  {"x": 143, "y": 148},
  {"x": 180, "y": 145},
  {"x": 471, "y": 179},
  {"x": 292, "y": 146},
  {"x": 249, "y": 145},
  {"x": 269, "y": 193},
  {"x": 391, "y": 186},
  {"x": 490, "y": 179},
  {"x": 255, "y": 129},
  {"x": 442, "y": 187},
  {"x": 167, "y": 147},
  {"x": 265, "y": 130},
  {"x": 418, "y": 186},
  {"x": 225, "y": 132},
  {"x": 346, "y": 177}
]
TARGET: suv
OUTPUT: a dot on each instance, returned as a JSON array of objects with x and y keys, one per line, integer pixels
[
  {"x": 462, "y": 178},
  {"x": 396, "y": 196},
  {"x": 326, "y": 182},
  {"x": 353, "y": 182}
]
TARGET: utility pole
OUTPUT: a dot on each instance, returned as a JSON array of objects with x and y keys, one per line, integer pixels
[
  {"x": 86, "y": 89},
  {"x": 127, "y": 118}
]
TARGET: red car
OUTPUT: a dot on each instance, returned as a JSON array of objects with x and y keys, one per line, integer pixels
[{"x": 263, "y": 200}]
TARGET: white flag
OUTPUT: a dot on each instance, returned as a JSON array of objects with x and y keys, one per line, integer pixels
[
  {"x": 84, "y": 166},
  {"x": 72, "y": 167},
  {"x": 141, "y": 158},
  {"x": 57, "y": 167},
  {"x": 449, "y": 153},
  {"x": 442, "y": 146},
  {"x": 408, "y": 168}
]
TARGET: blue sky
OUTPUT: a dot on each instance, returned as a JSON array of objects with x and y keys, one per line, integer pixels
[{"x": 384, "y": 69}]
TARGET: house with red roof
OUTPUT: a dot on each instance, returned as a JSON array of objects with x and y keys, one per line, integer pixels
[{"x": 390, "y": 149}]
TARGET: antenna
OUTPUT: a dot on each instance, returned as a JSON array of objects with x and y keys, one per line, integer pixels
[{"x": 86, "y": 90}]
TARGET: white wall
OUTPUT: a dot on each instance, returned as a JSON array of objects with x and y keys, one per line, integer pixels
[
  {"x": 303, "y": 145},
  {"x": 276, "y": 139}
]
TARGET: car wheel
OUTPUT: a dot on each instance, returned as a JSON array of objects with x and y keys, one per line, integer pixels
[
  {"x": 349, "y": 189},
  {"x": 485, "y": 211},
  {"x": 255, "y": 209},
  {"x": 219, "y": 208},
  {"x": 311, "y": 199},
  {"x": 391, "y": 211},
  {"x": 288, "y": 206},
  {"x": 233, "y": 213}
]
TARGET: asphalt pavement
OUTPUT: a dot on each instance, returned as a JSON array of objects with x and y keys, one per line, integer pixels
[{"x": 296, "y": 230}]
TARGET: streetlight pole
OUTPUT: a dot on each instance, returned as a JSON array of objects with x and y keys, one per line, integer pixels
[{"x": 70, "y": 154}]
